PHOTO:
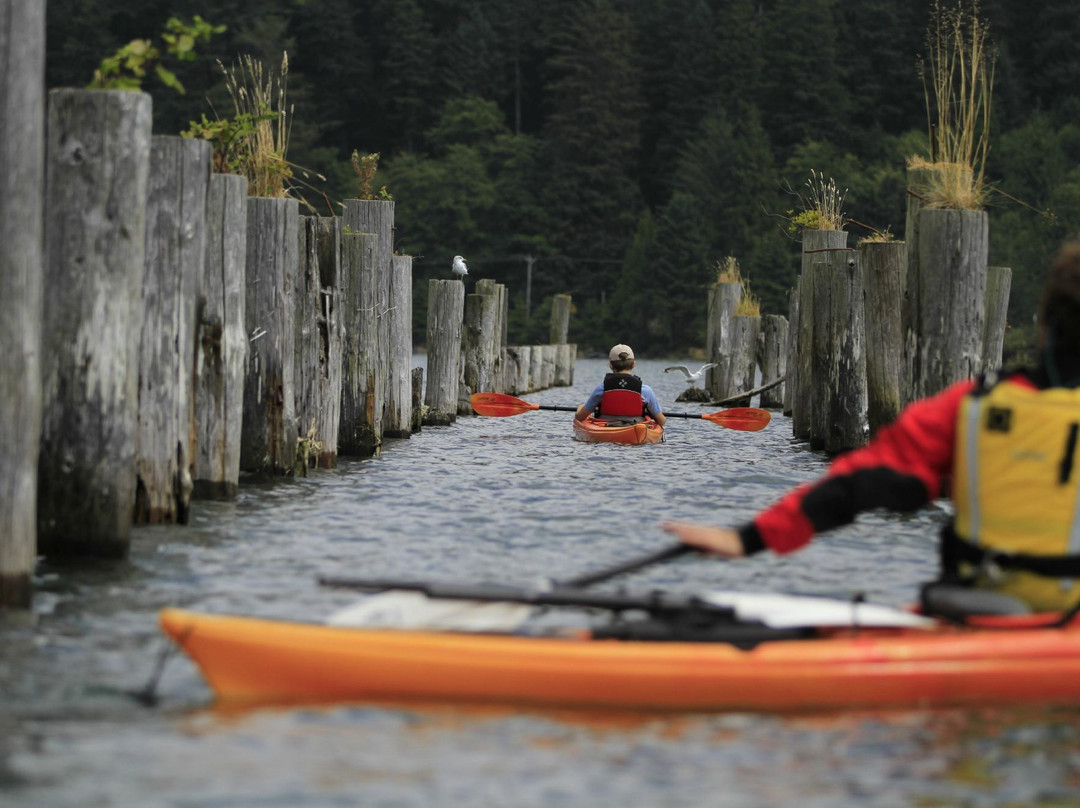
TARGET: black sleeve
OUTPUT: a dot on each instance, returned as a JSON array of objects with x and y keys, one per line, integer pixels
[
  {"x": 751, "y": 539},
  {"x": 837, "y": 500}
]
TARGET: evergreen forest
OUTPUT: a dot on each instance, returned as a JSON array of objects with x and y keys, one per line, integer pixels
[{"x": 619, "y": 150}]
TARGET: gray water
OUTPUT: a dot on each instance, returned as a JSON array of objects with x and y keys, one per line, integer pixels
[{"x": 510, "y": 500}]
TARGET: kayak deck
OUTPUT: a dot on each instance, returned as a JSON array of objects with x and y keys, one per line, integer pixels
[
  {"x": 265, "y": 660},
  {"x": 596, "y": 430}
]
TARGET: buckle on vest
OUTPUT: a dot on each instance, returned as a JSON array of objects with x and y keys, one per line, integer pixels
[{"x": 989, "y": 568}]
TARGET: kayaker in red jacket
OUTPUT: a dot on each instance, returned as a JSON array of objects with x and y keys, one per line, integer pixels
[{"x": 1005, "y": 449}]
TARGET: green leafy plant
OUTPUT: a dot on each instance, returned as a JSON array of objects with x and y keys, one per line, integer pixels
[
  {"x": 227, "y": 138},
  {"x": 126, "y": 69}
]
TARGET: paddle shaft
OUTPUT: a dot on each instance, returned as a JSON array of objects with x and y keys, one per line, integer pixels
[
  {"x": 491, "y": 592},
  {"x": 557, "y": 408}
]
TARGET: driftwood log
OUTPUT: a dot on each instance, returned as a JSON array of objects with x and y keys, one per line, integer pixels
[
  {"x": 22, "y": 194},
  {"x": 98, "y": 158}
]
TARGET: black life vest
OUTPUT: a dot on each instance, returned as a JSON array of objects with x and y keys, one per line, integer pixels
[{"x": 622, "y": 397}]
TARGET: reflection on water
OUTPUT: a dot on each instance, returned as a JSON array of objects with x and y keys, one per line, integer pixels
[{"x": 509, "y": 500}]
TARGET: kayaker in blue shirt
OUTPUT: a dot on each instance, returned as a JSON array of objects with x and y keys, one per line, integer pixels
[{"x": 622, "y": 394}]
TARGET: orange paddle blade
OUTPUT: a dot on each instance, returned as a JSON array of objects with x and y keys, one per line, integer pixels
[
  {"x": 745, "y": 419},
  {"x": 499, "y": 405}
]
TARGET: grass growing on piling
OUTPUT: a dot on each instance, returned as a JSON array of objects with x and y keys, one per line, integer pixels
[{"x": 958, "y": 80}]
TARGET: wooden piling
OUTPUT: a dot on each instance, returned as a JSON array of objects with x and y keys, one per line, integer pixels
[
  {"x": 97, "y": 158},
  {"x": 883, "y": 266},
  {"x": 497, "y": 339},
  {"x": 723, "y": 300},
  {"x": 480, "y": 332},
  {"x": 221, "y": 345},
  {"x": 307, "y": 346},
  {"x": 331, "y": 337},
  {"x": 536, "y": 368},
  {"x": 560, "y": 319},
  {"x": 377, "y": 216},
  {"x": 745, "y": 334},
  {"x": 565, "y": 354},
  {"x": 791, "y": 349},
  {"x": 998, "y": 284},
  {"x": 22, "y": 265},
  {"x": 360, "y": 434},
  {"x": 446, "y": 309},
  {"x": 523, "y": 354},
  {"x": 802, "y": 403},
  {"x": 416, "y": 414},
  {"x": 269, "y": 431},
  {"x": 398, "y": 414},
  {"x": 773, "y": 360},
  {"x": 175, "y": 256},
  {"x": 946, "y": 343},
  {"x": 844, "y": 426}
]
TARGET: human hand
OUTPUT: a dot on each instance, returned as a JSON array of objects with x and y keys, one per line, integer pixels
[{"x": 722, "y": 541}]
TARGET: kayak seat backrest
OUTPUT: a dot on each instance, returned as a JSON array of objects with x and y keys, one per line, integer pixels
[
  {"x": 621, "y": 403},
  {"x": 958, "y": 603}
]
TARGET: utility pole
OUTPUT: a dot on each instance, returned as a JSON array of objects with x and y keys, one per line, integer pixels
[{"x": 529, "y": 261}]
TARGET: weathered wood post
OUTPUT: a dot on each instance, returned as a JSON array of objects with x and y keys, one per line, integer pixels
[
  {"x": 998, "y": 284},
  {"x": 331, "y": 337},
  {"x": 792, "y": 348},
  {"x": 918, "y": 185},
  {"x": 398, "y": 416},
  {"x": 817, "y": 246},
  {"x": 536, "y": 368},
  {"x": 802, "y": 404},
  {"x": 547, "y": 367},
  {"x": 22, "y": 263},
  {"x": 307, "y": 345},
  {"x": 565, "y": 354},
  {"x": 497, "y": 338},
  {"x": 745, "y": 334},
  {"x": 480, "y": 333},
  {"x": 175, "y": 256},
  {"x": 883, "y": 264},
  {"x": 522, "y": 383},
  {"x": 560, "y": 319},
  {"x": 774, "y": 340},
  {"x": 723, "y": 300},
  {"x": 377, "y": 216},
  {"x": 446, "y": 309},
  {"x": 269, "y": 432},
  {"x": 844, "y": 426},
  {"x": 222, "y": 346},
  {"x": 97, "y": 167},
  {"x": 360, "y": 434},
  {"x": 951, "y": 299},
  {"x": 416, "y": 417}
]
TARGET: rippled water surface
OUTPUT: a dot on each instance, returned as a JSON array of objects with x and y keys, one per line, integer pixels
[{"x": 508, "y": 500}]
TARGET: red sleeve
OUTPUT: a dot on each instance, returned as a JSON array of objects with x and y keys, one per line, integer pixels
[{"x": 919, "y": 444}]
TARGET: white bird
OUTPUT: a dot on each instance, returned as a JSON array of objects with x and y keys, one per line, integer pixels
[
  {"x": 691, "y": 377},
  {"x": 459, "y": 267}
]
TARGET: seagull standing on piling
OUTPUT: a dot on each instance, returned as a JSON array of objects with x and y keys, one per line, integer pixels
[
  {"x": 691, "y": 377},
  {"x": 459, "y": 267}
]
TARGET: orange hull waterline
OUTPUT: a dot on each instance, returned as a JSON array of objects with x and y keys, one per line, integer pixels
[
  {"x": 264, "y": 660},
  {"x": 595, "y": 430}
]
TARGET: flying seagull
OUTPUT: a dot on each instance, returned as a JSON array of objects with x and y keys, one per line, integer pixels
[
  {"x": 691, "y": 377},
  {"x": 459, "y": 267}
]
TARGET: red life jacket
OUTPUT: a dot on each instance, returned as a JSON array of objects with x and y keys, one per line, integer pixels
[{"x": 622, "y": 397}]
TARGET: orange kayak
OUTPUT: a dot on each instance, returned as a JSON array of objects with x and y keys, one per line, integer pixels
[
  {"x": 265, "y": 660},
  {"x": 596, "y": 430}
]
